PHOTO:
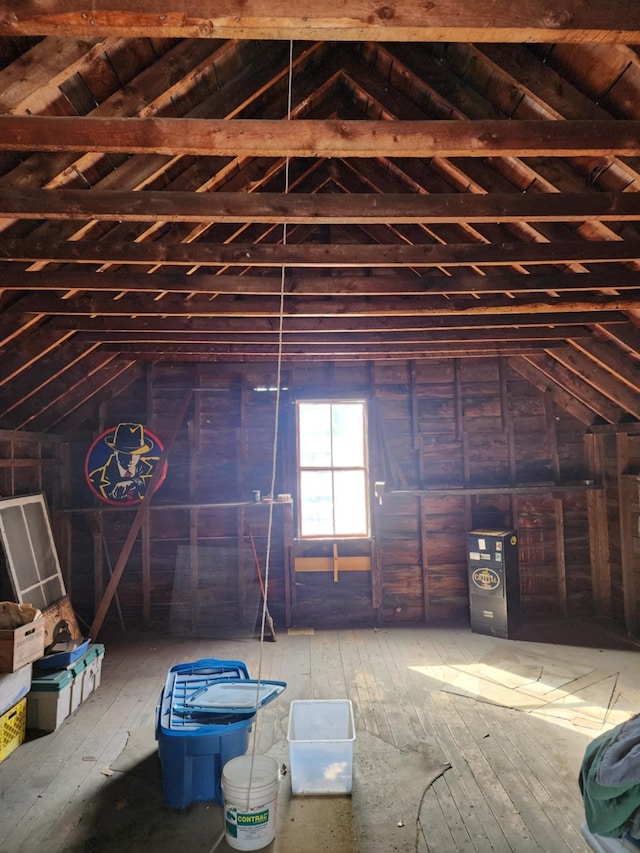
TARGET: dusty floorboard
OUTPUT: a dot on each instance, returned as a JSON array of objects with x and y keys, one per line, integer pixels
[{"x": 439, "y": 763}]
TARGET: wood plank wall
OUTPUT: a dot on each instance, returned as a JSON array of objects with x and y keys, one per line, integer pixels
[
  {"x": 459, "y": 444},
  {"x": 477, "y": 423}
]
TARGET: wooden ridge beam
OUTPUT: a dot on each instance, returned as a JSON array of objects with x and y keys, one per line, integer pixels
[
  {"x": 318, "y": 255},
  {"x": 447, "y": 20},
  {"x": 325, "y": 208},
  {"x": 321, "y": 138}
]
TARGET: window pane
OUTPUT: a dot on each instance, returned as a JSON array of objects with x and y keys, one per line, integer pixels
[
  {"x": 315, "y": 434},
  {"x": 332, "y": 468},
  {"x": 316, "y": 504},
  {"x": 348, "y": 435},
  {"x": 350, "y": 503}
]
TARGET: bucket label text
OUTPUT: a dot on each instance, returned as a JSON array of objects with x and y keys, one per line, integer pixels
[
  {"x": 237, "y": 821},
  {"x": 253, "y": 818}
]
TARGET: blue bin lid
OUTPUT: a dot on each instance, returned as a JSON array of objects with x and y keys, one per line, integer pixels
[
  {"x": 208, "y": 668},
  {"x": 185, "y": 679},
  {"x": 61, "y": 659},
  {"x": 234, "y": 696}
]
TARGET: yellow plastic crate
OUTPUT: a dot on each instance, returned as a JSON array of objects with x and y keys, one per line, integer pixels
[{"x": 13, "y": 726}]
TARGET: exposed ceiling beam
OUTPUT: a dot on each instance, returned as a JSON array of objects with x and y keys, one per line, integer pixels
[
  {"x": 400, "y": 338},
  {"x": 232, "y": 306},
  {"x": 319, "y": 285},
  {"x": 352, "y": 20},
  {"x": 312, "y": 327},
  {"x": 320, "y": 138},
  {"x": 327, "y": 208},
  {"x": 343, "y": 349},
  {"x": 340, "y": 255}
]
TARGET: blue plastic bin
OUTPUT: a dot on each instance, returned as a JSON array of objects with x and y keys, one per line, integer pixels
[
  {"x": 194, "y": 746},
  {"x": 62, "y": 660}
]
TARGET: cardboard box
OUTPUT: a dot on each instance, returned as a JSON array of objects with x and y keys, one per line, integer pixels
[
  {"x": 22, "y": 645},
  {"x": 60, "y": 614}
]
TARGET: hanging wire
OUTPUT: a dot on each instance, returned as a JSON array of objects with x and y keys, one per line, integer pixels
[
  {"x": 274, "y": 464},
  {"x": 276, "y": 425}
]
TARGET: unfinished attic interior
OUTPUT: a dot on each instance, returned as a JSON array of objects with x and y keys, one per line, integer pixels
[{"x": 348, "y": 284}]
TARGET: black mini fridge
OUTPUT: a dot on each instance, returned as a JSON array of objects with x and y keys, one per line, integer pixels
[{"x": 494, "y": 581}]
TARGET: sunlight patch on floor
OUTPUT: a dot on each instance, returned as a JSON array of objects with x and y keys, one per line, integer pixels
[{"x": 576, "y": 696}]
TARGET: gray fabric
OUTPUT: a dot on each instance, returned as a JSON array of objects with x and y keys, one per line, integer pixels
[
  {"x": 634, "y": 826},
  {"x": 620, "y": 763}
]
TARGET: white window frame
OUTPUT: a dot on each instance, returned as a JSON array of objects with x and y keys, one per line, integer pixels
[{"x": 364, "y": 468}]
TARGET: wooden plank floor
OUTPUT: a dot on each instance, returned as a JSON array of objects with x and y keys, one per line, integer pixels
[{"x": 502, "y": 780}]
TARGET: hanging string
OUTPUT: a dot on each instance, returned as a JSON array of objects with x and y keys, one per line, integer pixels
[
  {"x": 274, "y": 457},
  {"x": 276, "y": 424},
  {"x": 276, "y": 430}
]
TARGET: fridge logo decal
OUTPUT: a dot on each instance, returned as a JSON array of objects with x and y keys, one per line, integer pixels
[{"x": 486, "y": 579}]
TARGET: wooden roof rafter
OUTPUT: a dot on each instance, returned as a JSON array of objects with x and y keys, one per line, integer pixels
[{"x": 440, "y": 195}]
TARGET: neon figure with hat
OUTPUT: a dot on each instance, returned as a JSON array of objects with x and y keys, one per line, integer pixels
[{"x": 125, "y": 475}]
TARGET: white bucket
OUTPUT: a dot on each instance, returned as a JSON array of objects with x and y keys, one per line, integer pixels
[{"x": 250, "y": 789}]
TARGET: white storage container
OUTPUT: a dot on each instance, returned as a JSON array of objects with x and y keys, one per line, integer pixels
[
  {"x": 321, "y": 735},
  {"x": 13, "y": 686},
  {"x": 49, "y": 702},
  {"x": 55, "y": 694},
  {"x": 92, "y": 673}
]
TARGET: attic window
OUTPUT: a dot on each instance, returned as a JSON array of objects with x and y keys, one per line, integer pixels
[{"x": 332, "y": 468}]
